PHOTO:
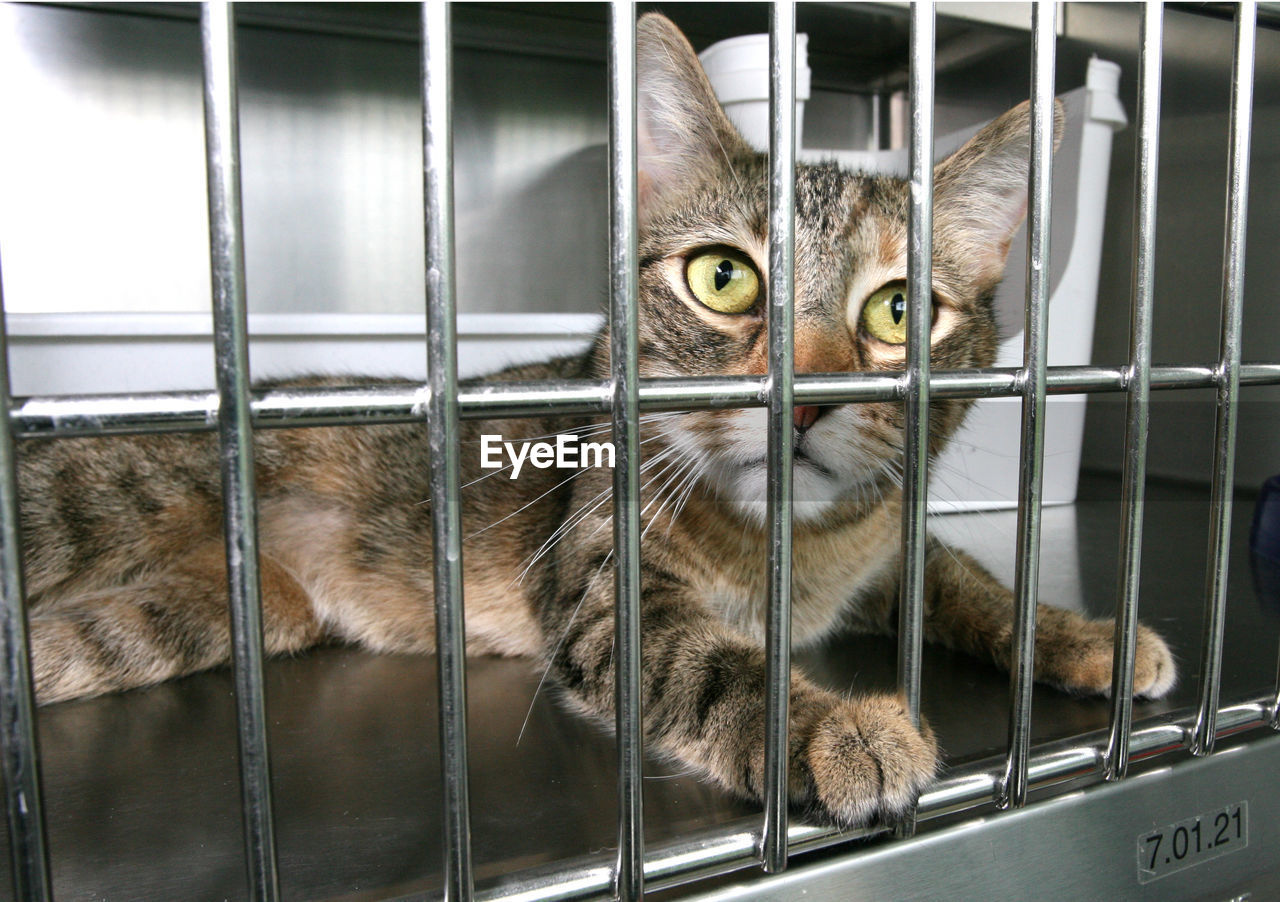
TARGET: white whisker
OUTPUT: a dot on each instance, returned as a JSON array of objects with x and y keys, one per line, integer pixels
[
  {"x": 578, "y": 517},
  {"x": 551, "y": 658}
]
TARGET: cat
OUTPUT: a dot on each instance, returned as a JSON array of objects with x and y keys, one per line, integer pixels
[{"x": 123, "y": 539}]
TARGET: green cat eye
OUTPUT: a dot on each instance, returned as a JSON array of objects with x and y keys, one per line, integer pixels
[
  {"x": 884, "y": 315},
  {"x": 723, "y": 280}
]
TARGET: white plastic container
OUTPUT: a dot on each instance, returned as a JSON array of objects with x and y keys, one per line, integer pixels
[
  {"x": 739, "y": 72},
  {"x": 979, "y": 468}
]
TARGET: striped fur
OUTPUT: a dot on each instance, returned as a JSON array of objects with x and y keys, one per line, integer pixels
[{"x": 124, "y": 553}]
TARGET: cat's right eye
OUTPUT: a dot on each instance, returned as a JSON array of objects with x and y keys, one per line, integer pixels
[{"x": 723, "y": 280}]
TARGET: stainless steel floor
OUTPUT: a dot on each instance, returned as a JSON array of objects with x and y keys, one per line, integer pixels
[{"x": 143, "y": 793}]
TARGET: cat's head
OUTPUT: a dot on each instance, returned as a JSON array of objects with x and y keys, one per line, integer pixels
[{"x": 703, "y": 279}]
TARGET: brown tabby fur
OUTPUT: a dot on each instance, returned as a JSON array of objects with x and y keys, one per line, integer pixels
[{"x": 124, "y": 552}]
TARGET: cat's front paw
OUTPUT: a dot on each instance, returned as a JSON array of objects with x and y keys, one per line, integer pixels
[
  {"x": 1082, "y": 662},
  {"x": 868, "y": 762},
  {"x": 1155, "y": 672}
]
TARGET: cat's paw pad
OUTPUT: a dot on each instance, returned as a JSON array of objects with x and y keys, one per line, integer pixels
[{"x": 868, "y": 762}]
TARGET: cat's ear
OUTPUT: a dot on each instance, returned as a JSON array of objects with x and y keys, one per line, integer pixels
[
  {"x": 980, "y": 191},
  {"x": 684, "y": 134}
]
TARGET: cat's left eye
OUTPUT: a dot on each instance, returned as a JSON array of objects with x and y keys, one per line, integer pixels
[
  {"x": 723, "y": 280},
  {"x": 884, "y": 315}
]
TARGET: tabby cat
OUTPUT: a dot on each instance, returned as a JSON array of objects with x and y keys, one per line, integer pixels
[{"x": 124, "y": 550}]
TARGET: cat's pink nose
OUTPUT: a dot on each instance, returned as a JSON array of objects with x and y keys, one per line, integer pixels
[{"x": 805, "y": 416}]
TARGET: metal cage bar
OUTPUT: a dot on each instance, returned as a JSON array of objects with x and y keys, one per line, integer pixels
[
  {"x": 1035, "y": 387},
  {"x": 917, "y": 383},
  {"x": 235, "y": 440},
  {"x": 234, "y": 411},
  {"x": 781, "y": 440},
  {"x": 66, "y": 416},
  {"x": 1224, "y": 460},
  {"x": 1133, "y": 489},
  {"x": 443, "y": 440},
  {"x": 19, "y": 741},
  {"x": 1273, "y": 708},
  {"x": 735, "y": 846},
  {"x": 624, "y": 364}
]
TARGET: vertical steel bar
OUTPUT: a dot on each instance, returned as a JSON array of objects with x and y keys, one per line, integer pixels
[
  {"x": 915, "y": 468},
  {"x": 1224, "y": 456},
  {"x": 1273, "y": 715},
  {"x": 625, "y": 370},
  {"x": 19, "y": 742},
  {"x": 443, "y": 441},
  {"x": 781, "y": 414},
  {"x": 235, "y": 439},
  {"x": 1035, "y": 342},
  {"x": 1133, "y": 491}
]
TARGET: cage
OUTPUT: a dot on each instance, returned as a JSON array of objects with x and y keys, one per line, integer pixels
[{"x": 341, "y": 774}]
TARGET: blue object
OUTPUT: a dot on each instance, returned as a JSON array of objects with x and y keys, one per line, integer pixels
[
  {"x": 1264, "y": 545},
  {"x": 1264, "y": 537}
]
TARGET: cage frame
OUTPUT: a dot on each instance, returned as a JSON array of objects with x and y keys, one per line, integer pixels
[{"x": 235, "y": 410}]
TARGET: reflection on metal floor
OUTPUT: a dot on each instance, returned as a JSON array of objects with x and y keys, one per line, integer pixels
[{"x": 142, "y": 789}]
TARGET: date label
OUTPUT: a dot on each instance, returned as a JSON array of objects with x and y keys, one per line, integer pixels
[{"x": 1176, "y": 847}]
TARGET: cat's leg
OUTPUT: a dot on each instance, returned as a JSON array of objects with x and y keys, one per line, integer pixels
[
  {"x": 968, "y": 609},
  {"x": 162, "y": 625},
  {"x": 851, "y": 759}
]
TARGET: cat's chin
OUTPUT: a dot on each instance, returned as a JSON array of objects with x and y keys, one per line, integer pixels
[
  {"x": 814, "y": 492},
  {"x": 801, "y": 511}
]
